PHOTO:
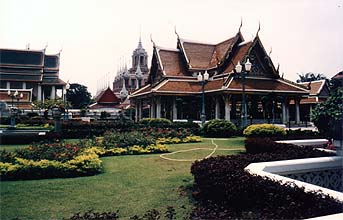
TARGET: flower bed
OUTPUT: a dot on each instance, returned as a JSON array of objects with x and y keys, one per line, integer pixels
[
  {"x": 53, "y": 160},
  {"x": 85, "y": 163},
  {"x": 225, "y": 191}
]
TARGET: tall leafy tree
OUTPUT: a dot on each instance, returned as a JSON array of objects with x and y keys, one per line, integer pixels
[
  {"x": 78, "y": 96},
  {"x": 327, "y": 116},
  {"x": 309, "y": 77}
]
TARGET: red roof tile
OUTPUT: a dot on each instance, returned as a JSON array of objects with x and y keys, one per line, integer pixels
[
  {"x": 171, "y": 62},
  {"x": 199, "y": 55},
  {"x": 107, "y": 96},
  {"x": 315, "y": 86},
  {"x": 269, "y": 85},
  {"x": 203, "y": 56},
  {"x": 238, "y": 56}
]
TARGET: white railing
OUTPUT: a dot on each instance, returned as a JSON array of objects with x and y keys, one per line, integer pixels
[{"x": 273, "y": 170}]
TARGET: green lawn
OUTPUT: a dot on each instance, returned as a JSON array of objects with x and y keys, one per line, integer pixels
[{"x": 130, "y": 184}]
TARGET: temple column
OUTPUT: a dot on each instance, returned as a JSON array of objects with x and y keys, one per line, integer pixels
[
  {"x": 174, "y": 109},
  {"x": 53, "y": 93},
  {"x": 140, "y": 112},
  {"x": 39, "y": 93},
  {"x": 284, "y": 112},
  {"x": 24, "y": 85},
  {"x": 158, "y": 107},
  {"x": 227, "y": 108},
  {"x": 8, "y": 85},
  {"x": 152, "y": 108},
  {"x": 217, "y": 108},
  {"x": 136, "y": 111},
  {"x": 297, "y": 111}
]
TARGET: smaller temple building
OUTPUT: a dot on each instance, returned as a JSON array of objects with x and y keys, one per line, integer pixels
[
  {"x": 28, "y": 75},
  {"x": 319, "y": 92}
]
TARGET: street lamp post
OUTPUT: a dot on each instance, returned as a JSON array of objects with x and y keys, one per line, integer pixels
[
  {"x": 203, "y": 78},
  {"x": 13, "y": 110},
  {"x": 66, "y": 101},
  {"x": 239, "y": 69}
]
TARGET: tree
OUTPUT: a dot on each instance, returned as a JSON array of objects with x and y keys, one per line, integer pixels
[
  {"x": 327, "y": 116},
  {"x": 78, "y": 96},
  {"x": 309, "y": 77}
]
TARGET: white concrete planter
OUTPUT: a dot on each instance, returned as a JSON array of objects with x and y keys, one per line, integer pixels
[{"x": 275, "y": 169}]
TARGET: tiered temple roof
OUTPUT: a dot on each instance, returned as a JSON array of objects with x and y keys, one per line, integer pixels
[
  {"x": 174, "y": 71},
  {"x": 30, "y": 66}
]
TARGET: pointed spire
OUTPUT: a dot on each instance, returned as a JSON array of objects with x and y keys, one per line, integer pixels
[
  {"x": 278, "y": 67},
  {"x": 153, "y": 43},
  {"x": 178, "y": 37},
  {"x": 123, "y": 92},
  {"x": 139, "y": 72},
  {"x": 240, "y": 26},
  {"x": 140, "y": 39},
  {"x": 259, "y": 28}
]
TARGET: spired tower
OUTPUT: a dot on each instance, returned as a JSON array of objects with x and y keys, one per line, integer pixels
[{"x": 134, "y": 77}]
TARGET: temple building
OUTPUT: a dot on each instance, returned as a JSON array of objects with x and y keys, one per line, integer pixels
[
  {"x": 28, "y": 75},
  {"x": 319, "y": 92},
  {"x": 106, "y": 100},
  {"x": 179, "y": 77},
  {"x": 128, "y": 80}
]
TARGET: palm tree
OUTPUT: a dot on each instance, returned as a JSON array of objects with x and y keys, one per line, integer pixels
[{"x": 309, "y": 77}]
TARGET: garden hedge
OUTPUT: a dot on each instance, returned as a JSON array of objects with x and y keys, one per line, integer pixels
[
  {"x": 219, "y": 128},
  {"x": 264, "y": 130},
  {"x": 225, "y": 191},
  {"x": 85, "y": 164}
]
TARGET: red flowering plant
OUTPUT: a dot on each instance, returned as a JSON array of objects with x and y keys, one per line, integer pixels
[{"x": 58, "y": 151}]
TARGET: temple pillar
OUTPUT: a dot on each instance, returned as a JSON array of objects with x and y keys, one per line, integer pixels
[
  {"x": 158, "y": 107},
  {"x": 39, "y": 93},
  {"x": 8, "y": 85},
  {"x": 297, "y": 111},
  {"x": 227, "y": 108},
  {"x": 152, "y": 108},
  {"x": 284, "y": 112},
  {"x": 136, "y": 111},
  {"x": 24, "y": 85},
  {"x": 174, "y": 109},
  {"x": 53, "y": 93},
  {"x": 140, "y": 109},
  {"x": 217, "y": 108}
]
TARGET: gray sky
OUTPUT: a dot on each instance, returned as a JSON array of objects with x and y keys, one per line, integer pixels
[{"x": 306, "y": 35}]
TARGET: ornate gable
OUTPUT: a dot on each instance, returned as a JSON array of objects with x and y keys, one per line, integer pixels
[
  {"x": 262, "y": 65},
  {"x": 156, "y": 70}
]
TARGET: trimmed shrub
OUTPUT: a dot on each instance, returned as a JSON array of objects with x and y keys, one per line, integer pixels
[
  {"x": 219, "y": 128},
  {"x": 175, "y": 140},
  {"x": 155, "y": 122},
  {"x": 127, "y": 139},
  {"x": 32, "y": 114},
  {"x": 263, "y": 145},
  {"x": 302, "y": 134},
  {"x": 85, "y": 164},
  {"x": 264, "y": 130},
  {"x": 226, "y": 191}
]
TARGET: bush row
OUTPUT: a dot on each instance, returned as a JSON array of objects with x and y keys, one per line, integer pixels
[
  {"x": 226, "y": 191},
  {"x": 85, "y": 164},
  {"x": 77, "y": 129},
  {"x": 153, "y": 214}
]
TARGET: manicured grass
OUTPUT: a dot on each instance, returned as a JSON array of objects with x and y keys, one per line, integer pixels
[{"x": 130, "y": 184}]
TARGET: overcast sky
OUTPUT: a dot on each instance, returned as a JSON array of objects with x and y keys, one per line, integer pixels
[{"x": 305, "y": 35}]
